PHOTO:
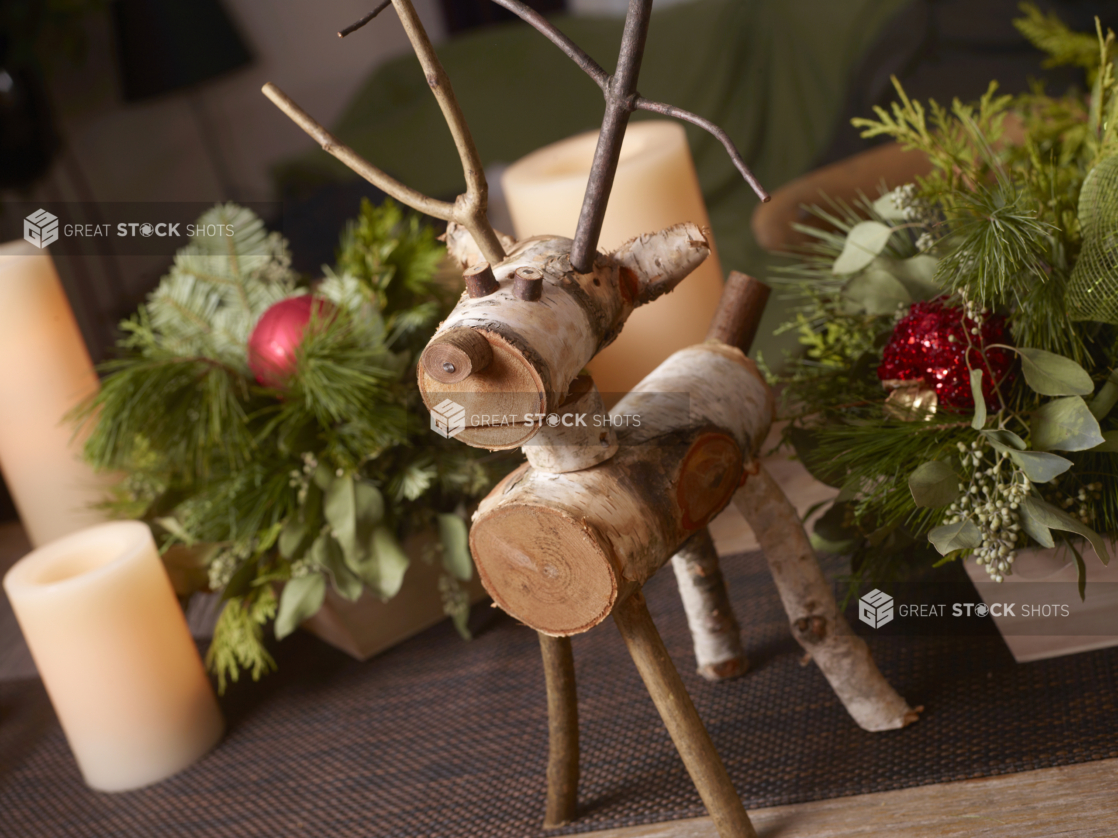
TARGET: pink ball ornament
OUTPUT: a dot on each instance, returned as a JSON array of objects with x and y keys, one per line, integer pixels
[{"x": 275, "y": 340}]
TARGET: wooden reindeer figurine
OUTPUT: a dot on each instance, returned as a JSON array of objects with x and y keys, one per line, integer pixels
[{"x": 601, "y": 505}]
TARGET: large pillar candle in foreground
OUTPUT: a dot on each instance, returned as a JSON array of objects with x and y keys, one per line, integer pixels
[
  {"x": 656, "y": 187},
  {"x": 44, "y": 371},
  {"x": 115, "y": 654}
]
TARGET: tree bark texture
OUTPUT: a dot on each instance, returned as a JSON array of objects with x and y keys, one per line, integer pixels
[
  {"x": 562, "y": 730},
  {"x": 577, "y": 436},
  {"x": 681, "y": 719},
  {"x": 540, "y": 346},
  {"x": 817, "y": 624},
  {"x": 558, "y": 550},
  {"x": 714, "y": 629}
]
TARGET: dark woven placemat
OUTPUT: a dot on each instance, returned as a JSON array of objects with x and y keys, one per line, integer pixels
[{"x": 442, "y": 738}]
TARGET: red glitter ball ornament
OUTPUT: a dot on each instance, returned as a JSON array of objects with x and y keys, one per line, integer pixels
[
  {"x": 277, "y": 335},
  {"x": 930, "y": 344}
]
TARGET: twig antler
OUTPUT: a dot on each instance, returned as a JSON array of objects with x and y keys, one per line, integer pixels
[
  {"x": 621, "y": 100},
  {"x": 469, "y": 209}
]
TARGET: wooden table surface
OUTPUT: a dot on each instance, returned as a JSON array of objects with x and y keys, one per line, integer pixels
[{"x": 1077, "y": 801}]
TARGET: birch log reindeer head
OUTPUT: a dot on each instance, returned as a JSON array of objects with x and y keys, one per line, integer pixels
[{"x": 535, "y": 312}]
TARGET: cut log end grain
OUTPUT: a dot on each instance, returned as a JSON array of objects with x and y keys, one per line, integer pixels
[
  {"x": 545, "y": 568},
  {"x": 527, "y": 283},
  {"x": 496, "y": 400},
  {"x": 711, "y": 473},
  {"x": 456, "y": 355}
]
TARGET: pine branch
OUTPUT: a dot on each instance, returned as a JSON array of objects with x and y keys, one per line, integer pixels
[{"x": 997, "y": 243}]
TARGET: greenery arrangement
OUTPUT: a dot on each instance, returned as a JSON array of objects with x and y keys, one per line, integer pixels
[
  {"x": 961, "y": 332},
  {"x": 312, "y": 481}
]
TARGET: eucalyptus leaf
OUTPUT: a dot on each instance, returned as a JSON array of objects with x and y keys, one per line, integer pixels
[
  {"x": 369, "y": 503},
  {"x": 456, "y": 546},
  {"x": 875, "y": 292},
  {"x": 1056, "y": 519},
  {"x": 1065, "y": 425},
  {"x": 1038, "y": 466},
  {"x": 933, "y": 484},
  {"x": 328, "y": 554},
  {"x": 864, "y": 241},
  {"x": 323, "y": 476},
  {"x": 1080, "y": 572},
  {"x": 1033, "y": 526},
  {"x": 1054, "y": 375},
  {"x": 301, "y": 599},
  {"x": 887, "y": 209},
  {"x": 1109, "y": 443},
  {"x": 384, "y": 568},
  {"x": 963, "y": 535},
  {"x": 291, "y": 537},
  {"x": 1005, "y": 441},
  {"x": 917, "y": 275},
  {"x": 340, "y": 507},
  {"x": 979, "y": 420}
]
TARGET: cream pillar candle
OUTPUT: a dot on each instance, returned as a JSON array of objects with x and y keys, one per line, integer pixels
[
  {"x": 114, "y": 652},
  {"x": 44, "y": 371},
  {"x": 656, "y": 187}
]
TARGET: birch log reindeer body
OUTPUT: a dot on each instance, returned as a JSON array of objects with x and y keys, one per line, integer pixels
[
  {"x": 538, "y": 347},
  {"x": 539, "y": 311},
  {"x": 557, "y": 551}
]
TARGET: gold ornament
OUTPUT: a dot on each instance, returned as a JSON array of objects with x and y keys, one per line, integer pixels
[{"x": 910, "y": 401}]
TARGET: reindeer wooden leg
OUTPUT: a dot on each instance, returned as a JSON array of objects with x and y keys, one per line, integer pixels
[
  {"x": 818, "y": 625},
  {"x": 562, "y": 728},
  {"x": 681, "y": 719},
  {"x": 714, "y": 630}
]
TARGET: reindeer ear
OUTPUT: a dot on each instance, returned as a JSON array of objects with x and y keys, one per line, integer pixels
[
  {"x": 462, "y": 248},
  {"x": 662, "y": 260}
]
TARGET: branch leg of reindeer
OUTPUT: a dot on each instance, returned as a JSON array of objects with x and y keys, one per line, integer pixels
[
  {"x": 818, "y": 625},
  {"x": 714, "y": 629},
  {"x": 562, "y": 731},
  {"x": 681, "y": 719}
]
